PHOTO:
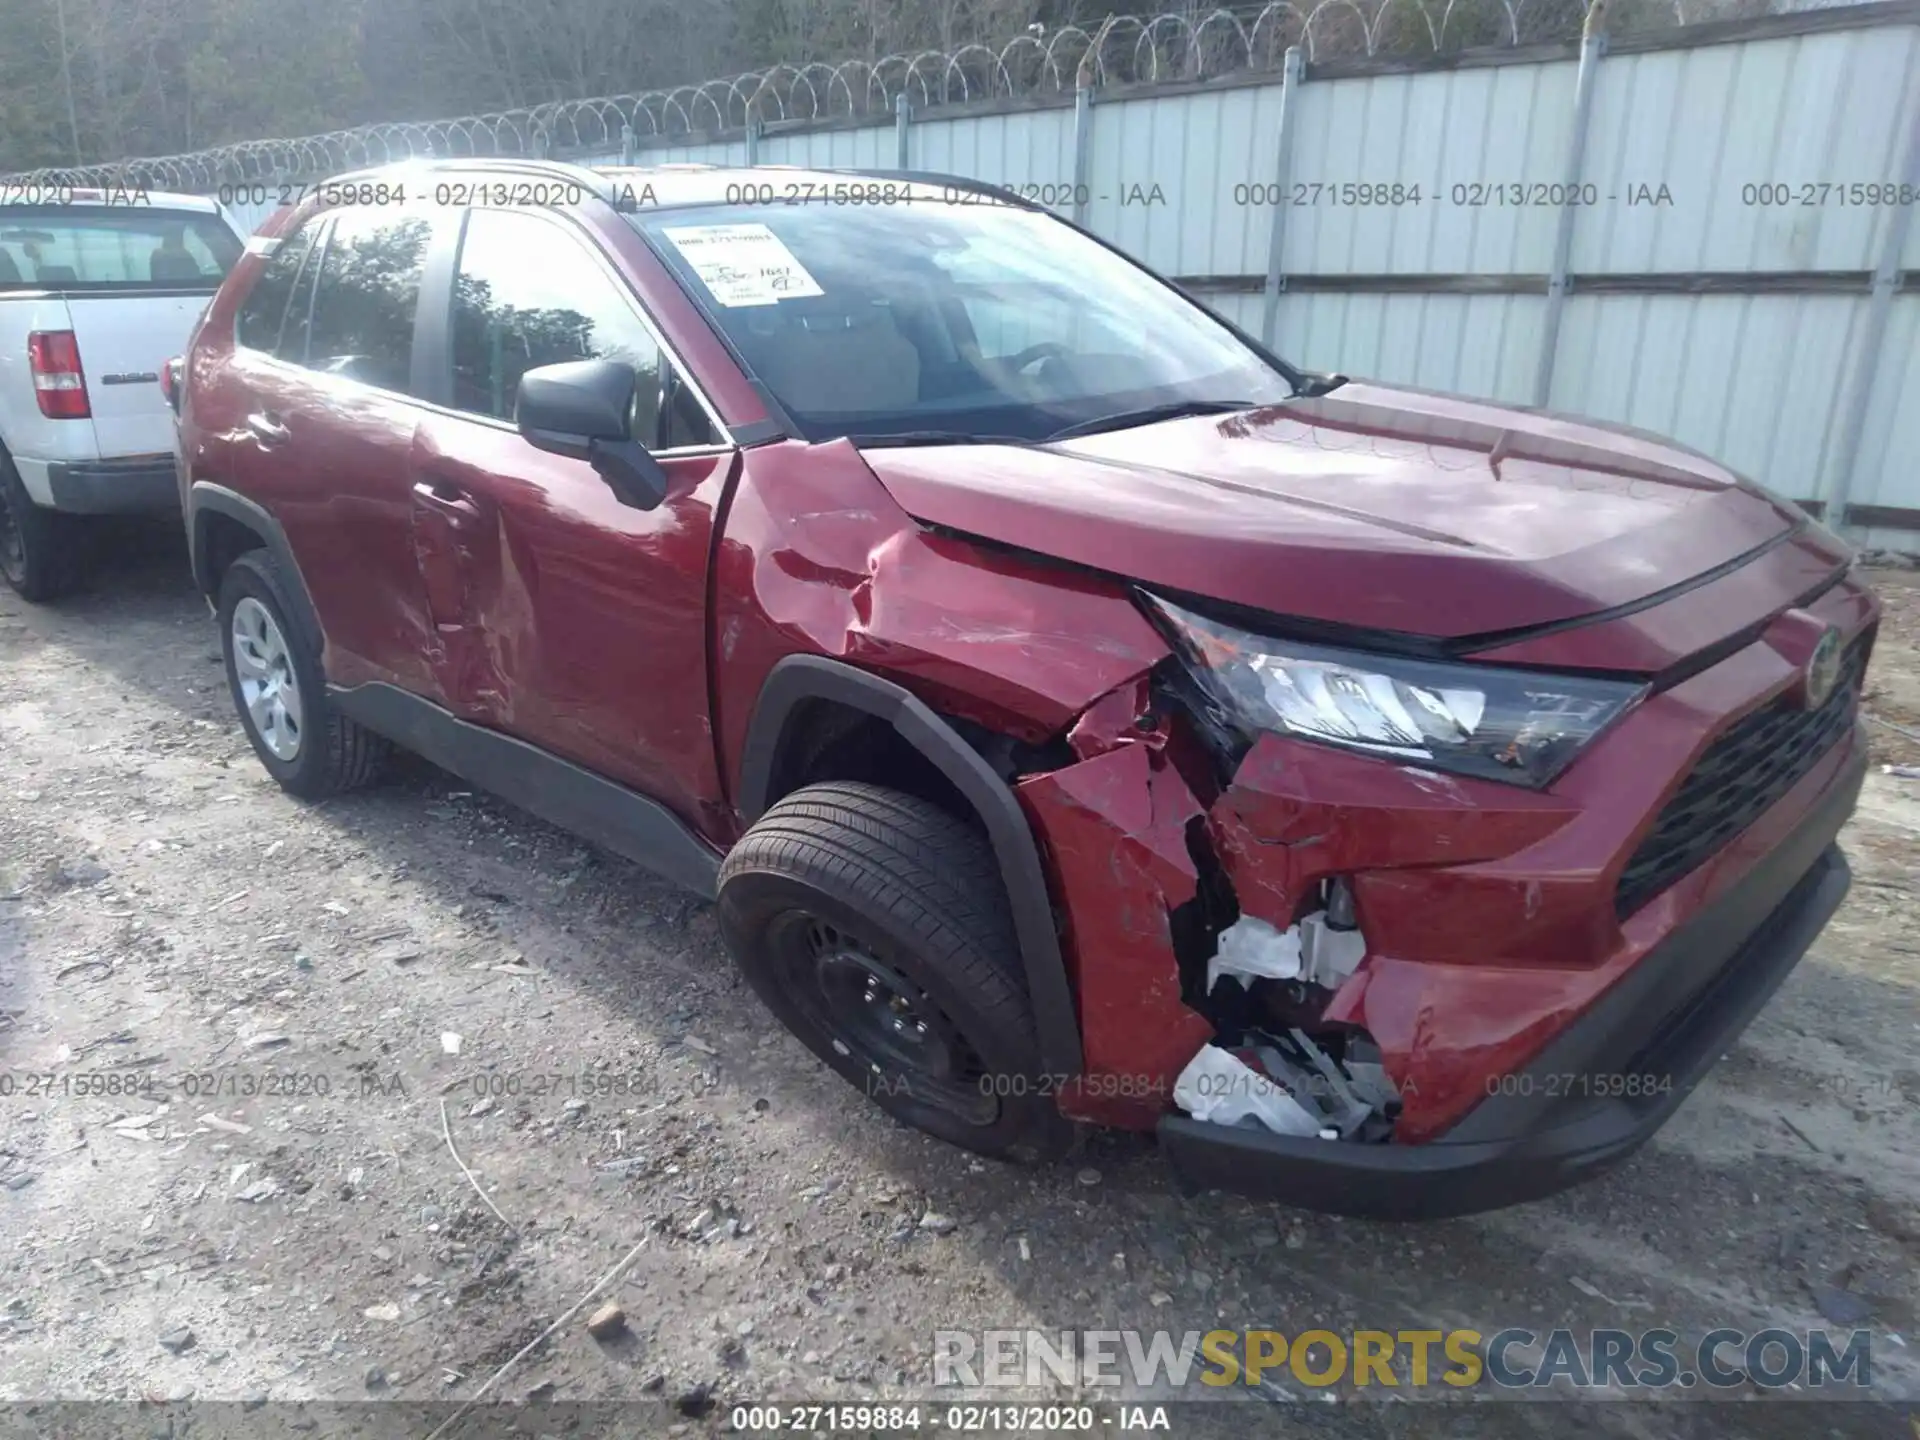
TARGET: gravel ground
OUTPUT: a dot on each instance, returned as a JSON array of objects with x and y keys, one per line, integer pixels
[{"x": 314, "y": 998}]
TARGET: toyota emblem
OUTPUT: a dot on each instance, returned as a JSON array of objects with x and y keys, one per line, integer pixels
[{"x": 1823, "y": 670}]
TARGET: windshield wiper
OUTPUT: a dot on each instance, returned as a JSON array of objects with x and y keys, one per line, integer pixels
[
  {"x": 1148, "y": 415},
  {"x": 1316, "y": 382}
]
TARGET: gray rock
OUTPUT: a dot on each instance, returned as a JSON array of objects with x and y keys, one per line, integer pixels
[
  {"x": 606, "y": 1322},
  {"x": 178, "y": 1339}
]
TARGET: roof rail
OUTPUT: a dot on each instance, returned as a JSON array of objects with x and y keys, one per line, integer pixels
[{"x": 586, "y": 178}]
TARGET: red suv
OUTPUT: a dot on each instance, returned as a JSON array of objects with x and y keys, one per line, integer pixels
[{"x": 1076, "y": 712}]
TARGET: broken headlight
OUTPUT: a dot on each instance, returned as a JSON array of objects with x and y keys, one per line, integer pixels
[{"x": 1520, "y": 726}]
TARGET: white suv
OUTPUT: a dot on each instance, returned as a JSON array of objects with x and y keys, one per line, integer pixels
[{"x": 98, "y": 290}]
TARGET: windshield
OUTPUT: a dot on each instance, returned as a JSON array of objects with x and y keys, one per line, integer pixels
[
  {"x": 71, "y": 248},
  {"x": 948, "y": 320}
]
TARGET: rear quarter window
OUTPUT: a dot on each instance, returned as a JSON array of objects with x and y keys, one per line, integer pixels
[
  {"x": 261, "y": 321},
  {"x": 63, "y": 248}
]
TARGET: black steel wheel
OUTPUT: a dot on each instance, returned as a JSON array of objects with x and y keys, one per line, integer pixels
[{"x": 873, "y": 924}]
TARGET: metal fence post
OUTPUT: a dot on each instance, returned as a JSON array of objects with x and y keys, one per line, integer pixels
[
  {"x": 626, "y": 145},
  {"x": 902, "y": 120},
  {"x": 1886, "y": 277},
  {"x": 753, "y": 142},
  {"x": 1593, "y": 45},
  {"x": 1292, "y": 76},
  {"x": 1082, "y": 145}
]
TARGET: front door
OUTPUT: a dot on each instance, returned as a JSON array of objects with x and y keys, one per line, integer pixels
[{"x": 577, "y": 623}]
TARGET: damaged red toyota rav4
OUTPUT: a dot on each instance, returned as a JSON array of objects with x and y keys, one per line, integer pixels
[{"x": 1076, "y": 713}]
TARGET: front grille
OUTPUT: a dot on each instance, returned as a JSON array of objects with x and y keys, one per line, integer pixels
[{"x": 1753, "y": 763}]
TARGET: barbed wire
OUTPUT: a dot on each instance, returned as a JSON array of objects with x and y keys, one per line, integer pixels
[{"x": 1124, "y": 50}]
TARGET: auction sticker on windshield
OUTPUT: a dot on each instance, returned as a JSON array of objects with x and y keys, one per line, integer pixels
[{"x": 743, "y": 264}]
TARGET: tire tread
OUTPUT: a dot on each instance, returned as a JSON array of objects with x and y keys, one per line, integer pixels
[
  {"x": 890, "y": 851},
  {"x": 929, "y": 876}
]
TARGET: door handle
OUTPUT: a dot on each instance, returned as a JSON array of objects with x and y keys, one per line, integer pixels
[
  {"x": 266, "y": 428},
  {"x": 446, "y": 496}
]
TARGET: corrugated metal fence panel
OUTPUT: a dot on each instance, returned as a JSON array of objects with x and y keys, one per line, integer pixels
[
  {"x": 1484, "y": 345},
  {"x": 1032, "y": 147},
  {"x": 1756, "y": 144},
  {"x": 1705, "y": 163},
  {"x": 1462, "y": 137},
  {"x": 1756, "y": 381},
  {"x": 1166, "y": 180},
  {"x": 1241, "y": 310},
  {"x": 712, "y": 152},
  {"x": 871, "y": 147},
  {"x": 1889, "y": 472}
]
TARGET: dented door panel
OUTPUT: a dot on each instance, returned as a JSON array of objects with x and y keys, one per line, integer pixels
[
  {"x": 584, "y": 618},
  {"x": 340, "y": 485}
]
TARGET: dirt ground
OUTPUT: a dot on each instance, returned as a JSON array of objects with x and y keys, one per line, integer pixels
[{"x": 285, "y": 980}]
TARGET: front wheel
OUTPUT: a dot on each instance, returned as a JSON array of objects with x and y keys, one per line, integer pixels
[{"x": 873, "y": 924}]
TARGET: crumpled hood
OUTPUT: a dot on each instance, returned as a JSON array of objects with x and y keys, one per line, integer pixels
[{"x": 1375, "y": 507}]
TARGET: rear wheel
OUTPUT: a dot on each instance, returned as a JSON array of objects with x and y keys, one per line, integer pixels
[
  {"x": 39, "y": 548},
  {"x": 273, "y": 672},
  {"x": 874, "y": 925}
]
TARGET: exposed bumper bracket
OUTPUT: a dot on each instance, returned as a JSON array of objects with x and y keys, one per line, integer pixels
[{"x": 1670, "y": 1018}]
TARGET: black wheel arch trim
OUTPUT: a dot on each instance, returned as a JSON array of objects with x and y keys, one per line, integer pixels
[
  {"x": 204, "y": 498},
  {"x": 801, "y": 678}
]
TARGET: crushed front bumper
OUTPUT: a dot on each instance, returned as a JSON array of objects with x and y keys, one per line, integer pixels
[{"x": 1563, "y": 1117}]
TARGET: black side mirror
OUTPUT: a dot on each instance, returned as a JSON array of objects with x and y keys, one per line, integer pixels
[{"x": 583, "y": 409}]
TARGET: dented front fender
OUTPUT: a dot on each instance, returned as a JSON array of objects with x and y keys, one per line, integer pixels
[
  {"x": 1116, "y": 827},
  {"x": 816, "y": 558}
]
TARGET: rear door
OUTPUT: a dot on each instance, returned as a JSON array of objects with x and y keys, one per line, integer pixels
[
  {"x": 135, "y": 280},
  {"x": 583, "y": 621},
  {"x": 322, "y": 407}
]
